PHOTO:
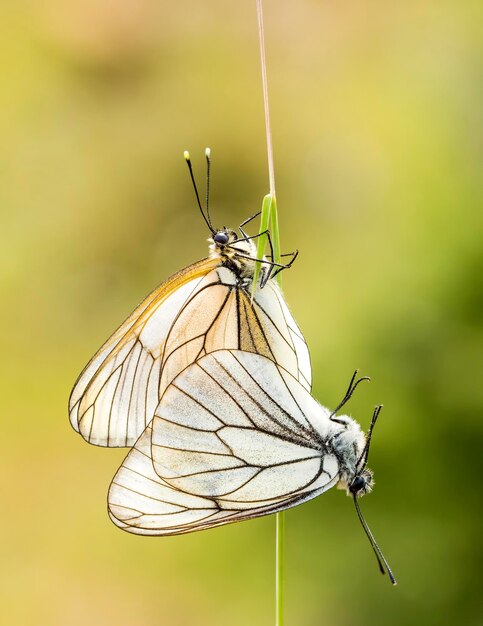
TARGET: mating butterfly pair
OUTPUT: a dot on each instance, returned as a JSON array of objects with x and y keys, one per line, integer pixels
[{"x": 209, "y": 382}]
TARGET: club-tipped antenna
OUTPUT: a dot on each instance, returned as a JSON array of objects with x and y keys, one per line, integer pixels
[
  {"x": 383, "y": 564},
  {"x": 348, "y": 394},
  {"x": 362, "y": 460},
  {"x": 190, "y": 167},
  {"x": 208, "y": 168}
]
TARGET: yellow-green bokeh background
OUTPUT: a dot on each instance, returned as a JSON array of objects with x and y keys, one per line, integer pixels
[{"x": 375, "y": 123}]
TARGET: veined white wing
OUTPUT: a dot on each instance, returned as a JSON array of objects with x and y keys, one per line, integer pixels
[
  {"x": 235, "y": 436},
  {"x": 204, "y": 307},
  {"x": 225, "y": 317},
  {"x": 119, "y": 386}
]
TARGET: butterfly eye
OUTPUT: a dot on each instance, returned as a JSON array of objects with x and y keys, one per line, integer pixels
[
  {"x": 357, "y": 484},
  {"x": 220, "y": 238}
]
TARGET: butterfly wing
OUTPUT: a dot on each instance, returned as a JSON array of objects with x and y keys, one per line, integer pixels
[
  {"x": 201, "y": 309},
  {"x": 235, "y": 437},
  {"x": 290, "y": 350},
  {"x": 118, "y": 389},
  {"x": 223, "y": 316}
]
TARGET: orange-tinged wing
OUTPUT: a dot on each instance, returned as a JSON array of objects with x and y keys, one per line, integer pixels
[
  {"x": 116, "y": 394},
  {"x": 223, "y": 316}
]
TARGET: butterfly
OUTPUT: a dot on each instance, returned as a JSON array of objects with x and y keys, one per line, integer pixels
[
  {"x": 205, "y": 307},
  {"x": 237, "y": 436}
]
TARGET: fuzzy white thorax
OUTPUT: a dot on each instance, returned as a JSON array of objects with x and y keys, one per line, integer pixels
[{"x": 347, "y": 442}]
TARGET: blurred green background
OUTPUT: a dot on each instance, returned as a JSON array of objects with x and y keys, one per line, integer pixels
[{"x": 375, "y": 125}]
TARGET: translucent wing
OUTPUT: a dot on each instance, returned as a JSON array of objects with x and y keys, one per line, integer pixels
[
  {"x": 290, "y": 351},
  {"x": 234, "y": 437},
  {"x": 117, "y": 392},
  {"x": 225, "y": 317},
  {"x": 205, "y": 307}
]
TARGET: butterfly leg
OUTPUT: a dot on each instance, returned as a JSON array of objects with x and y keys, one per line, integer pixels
[
  {"x": 294, "y": 255},
  {"x": 250, "y": 237},
  {"x": 272, "y": 272},
  {"x": 265, "y": 273},
  {"x": 272, "y": 265},
  {"x": 240, "y": 228},
  {"x": 252, "y": 258}
]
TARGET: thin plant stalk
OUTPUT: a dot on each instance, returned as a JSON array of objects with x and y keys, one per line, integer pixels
[
  {"x": 268, "y": 131},
  {"x": 269, "y": 221},
  {"x": 279, "y": 568},
  {"x": 279, "y": 517}
]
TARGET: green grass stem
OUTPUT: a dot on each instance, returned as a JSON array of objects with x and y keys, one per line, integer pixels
[{"x": 269, "y": 220}]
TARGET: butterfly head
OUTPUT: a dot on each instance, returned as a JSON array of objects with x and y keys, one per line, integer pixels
[
  {"x": 223, "y": 237},
  {"x": 240, "y": 253},
  {"x": 222, "y": 242},
  {"x": 361, "y": 484}
]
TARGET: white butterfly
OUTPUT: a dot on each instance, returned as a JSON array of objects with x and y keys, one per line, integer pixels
[
  {"x": 204, "y": 307},
  {"x": 237, "y": 436}
]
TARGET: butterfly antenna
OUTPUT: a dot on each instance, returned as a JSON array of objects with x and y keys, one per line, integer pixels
[
  {"x": 383, "y": 564},
  {"x": 362, "y": 460},
  {"x": 208, "y": 168},
  {"x": 348, "y": 395},
  {"x": 190, "y": 167}
]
